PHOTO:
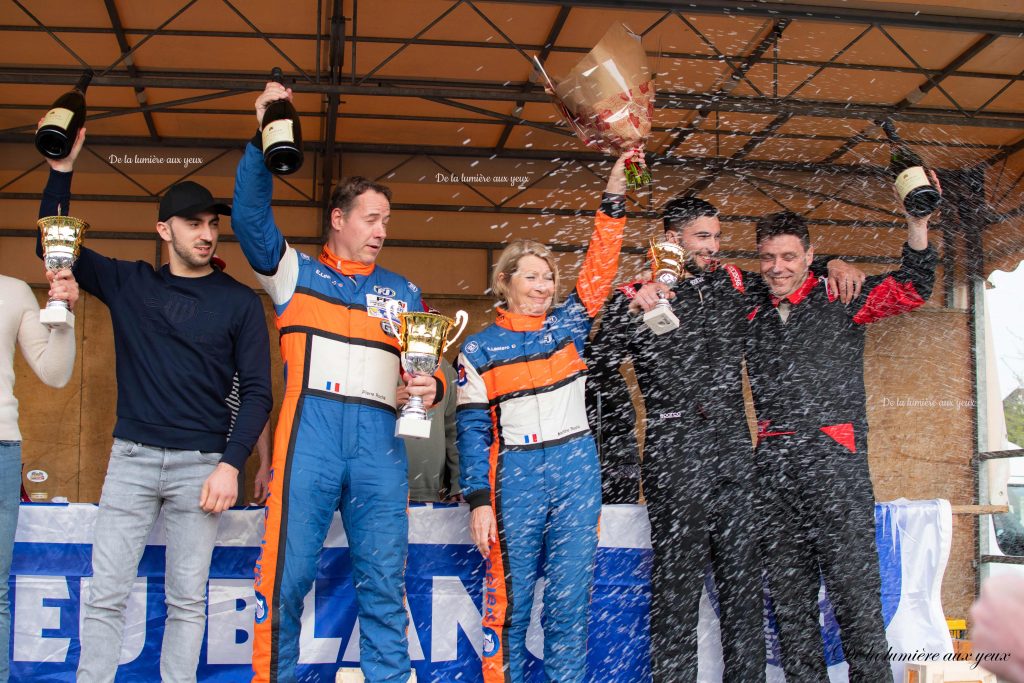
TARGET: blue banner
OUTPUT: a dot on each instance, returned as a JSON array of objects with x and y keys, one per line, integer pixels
[{"x": 51, "y": 569}]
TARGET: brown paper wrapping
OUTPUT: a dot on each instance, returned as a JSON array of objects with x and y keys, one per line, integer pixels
[{"x": 608, "y": 97}]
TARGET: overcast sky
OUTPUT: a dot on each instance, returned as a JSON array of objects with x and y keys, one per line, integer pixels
[{"x": 1006, "y": 309}]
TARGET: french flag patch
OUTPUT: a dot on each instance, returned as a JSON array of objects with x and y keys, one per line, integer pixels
[
  {"x": 333, "y": 387},
  {"x": 530, "y": 438}
]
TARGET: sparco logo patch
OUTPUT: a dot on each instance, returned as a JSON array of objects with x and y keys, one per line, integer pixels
[{"x": 736, "y": 276}]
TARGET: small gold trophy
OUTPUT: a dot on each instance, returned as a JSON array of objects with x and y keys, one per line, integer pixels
[
  {"x": 422, "y": 338},
  {"x": 668, "y": 259},
  {"x": 62, "y": 239}
]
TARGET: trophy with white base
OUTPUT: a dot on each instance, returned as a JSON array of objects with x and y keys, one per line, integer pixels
[
  {"x": 668, "y": 259},
  {"x": 62, "y": 240},
  {"x": 422, "y": 338}
]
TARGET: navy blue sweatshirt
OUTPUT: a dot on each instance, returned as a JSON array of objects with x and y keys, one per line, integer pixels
[{"x": 178, "y": 342}]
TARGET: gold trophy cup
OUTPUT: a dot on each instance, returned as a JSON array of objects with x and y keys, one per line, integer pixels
[
  {"x": 62, "y": 239},
  {"x": 668, "y": 259},
  {"x": 422, "y": 338}
]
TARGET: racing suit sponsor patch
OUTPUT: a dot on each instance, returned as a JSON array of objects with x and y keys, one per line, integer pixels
[
  {"x": 490, "y": 642},
  {"x": 376, "y": 305},
  {"x": 261, "y": 608},
  {"x": 736, "y": 276}
]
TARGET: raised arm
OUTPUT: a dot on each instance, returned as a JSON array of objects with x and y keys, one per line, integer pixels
[
  {"x": 252, "y": 219},
  {"x": 905, "y": 289},
  {"x": 96, "y": 274},
  {"x": 602, "y": 259},
  {"x": 57, "y": 193}
]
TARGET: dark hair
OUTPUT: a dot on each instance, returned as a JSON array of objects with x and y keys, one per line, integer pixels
[
  {"x": 784, "y": 223},
  {"x": 681, "y": 211},
  {"x": 346, "y": 192}
]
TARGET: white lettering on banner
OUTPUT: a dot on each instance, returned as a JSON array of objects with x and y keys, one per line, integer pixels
[
  {"x": 232, "y": 604},
  {"x": 534, "y": 632},
  {"x": 415, "y": 649},
  {"x": 352, "y": 650},
  {"x": 31, "y": 617},
  {"x": 452, "y": 608},
  {"x": 134, "y": 618},
  {"x": 313, "y": 650}
]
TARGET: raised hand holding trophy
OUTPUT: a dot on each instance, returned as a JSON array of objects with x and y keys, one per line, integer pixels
[
  {"x": 62, "y": 239},
  {"x": 422, "y": 338},
  {"x": 668, "y": 259}
]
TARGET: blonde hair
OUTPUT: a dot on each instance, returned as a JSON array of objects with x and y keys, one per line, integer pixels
[{"x": 508, "y": 264}]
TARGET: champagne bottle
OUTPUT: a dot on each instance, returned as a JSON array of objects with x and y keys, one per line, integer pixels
[
  {"x": 282, "y": 135},
  {"x": 57, "y": 133},
  {"x": 915, "y": 189}
]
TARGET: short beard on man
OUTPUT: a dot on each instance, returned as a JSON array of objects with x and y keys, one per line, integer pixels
[
  {"x": 693, "y": 268},
  {"x": 184, "y": 251}
]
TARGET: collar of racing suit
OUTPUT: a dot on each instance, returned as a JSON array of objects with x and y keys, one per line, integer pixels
[
  {"x": 519, "y": 322},
  {"x": 329, "y": 258},
  {"x": 800, "y": 293},
  {"x": 690, "y": 269}
]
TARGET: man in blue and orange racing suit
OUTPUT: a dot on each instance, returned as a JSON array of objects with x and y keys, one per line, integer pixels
[
  {"x": 529, "y": 465},
  {"x": 805, "y": 360},
  {"x": 334, "y": 447}
]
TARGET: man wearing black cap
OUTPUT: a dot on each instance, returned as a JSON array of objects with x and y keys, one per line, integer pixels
[{"x": 180, "y": 333}]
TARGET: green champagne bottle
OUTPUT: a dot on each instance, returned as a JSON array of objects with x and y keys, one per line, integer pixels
[
  {"x": 59, "y": 129},
  {"x": 913, "y": 185},
  {"x": 282, "y": 135}
]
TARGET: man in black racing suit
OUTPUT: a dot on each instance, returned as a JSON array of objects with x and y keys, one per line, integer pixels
[{"x": 805, "y": 360}]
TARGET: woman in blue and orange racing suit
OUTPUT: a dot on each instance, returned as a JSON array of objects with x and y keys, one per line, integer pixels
[{"x": 529, "y": 465}]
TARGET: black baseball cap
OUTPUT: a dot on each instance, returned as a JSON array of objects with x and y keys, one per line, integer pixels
[{"x": 186, "y": 199}]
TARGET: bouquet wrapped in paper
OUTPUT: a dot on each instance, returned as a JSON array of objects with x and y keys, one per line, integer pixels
[{"x": 608, "y": 99}]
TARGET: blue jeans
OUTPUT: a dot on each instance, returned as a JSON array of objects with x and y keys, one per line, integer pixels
[
  {"x": 141, "y": 480},
  {"x": 10, "y": 498}
]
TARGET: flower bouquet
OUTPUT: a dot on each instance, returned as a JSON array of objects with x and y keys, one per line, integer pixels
[{"x": 608, "y": 99}]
